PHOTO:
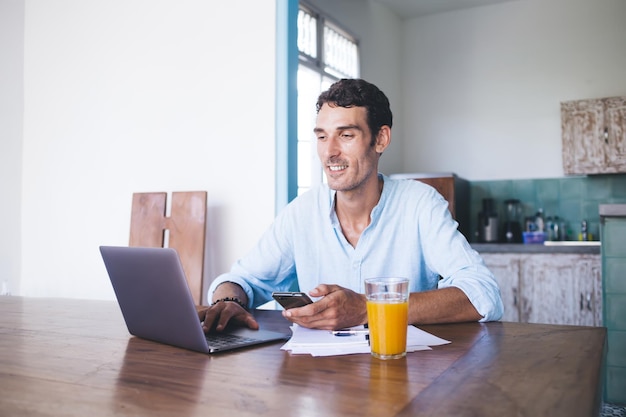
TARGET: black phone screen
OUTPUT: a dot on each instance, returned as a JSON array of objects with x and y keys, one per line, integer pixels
[{"x": 291, "y": 299}]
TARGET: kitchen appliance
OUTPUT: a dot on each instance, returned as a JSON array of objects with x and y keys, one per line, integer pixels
[
  {"x": 512, "y": 227},
  {"x": 488, "y": 222}
]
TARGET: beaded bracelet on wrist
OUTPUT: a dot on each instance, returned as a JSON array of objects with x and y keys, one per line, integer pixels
[{"x": 233, "y": 299}]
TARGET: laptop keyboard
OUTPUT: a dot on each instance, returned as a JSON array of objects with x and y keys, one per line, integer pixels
[{"x": 226, "y": 340}]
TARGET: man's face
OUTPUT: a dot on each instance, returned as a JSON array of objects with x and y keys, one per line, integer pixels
[{"x": 344, "y": 147}]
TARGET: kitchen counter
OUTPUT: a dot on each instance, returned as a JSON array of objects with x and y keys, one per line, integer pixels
[
  {"x": 551, "y": 247},
  {"x": 612, "y": 210}
]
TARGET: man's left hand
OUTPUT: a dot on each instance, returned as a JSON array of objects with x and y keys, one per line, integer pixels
[{"x": 337, "y": 309}]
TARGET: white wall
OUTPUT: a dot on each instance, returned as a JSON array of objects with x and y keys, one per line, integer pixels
[
  {"x": 129, "y": 95},
  {"x": 11, "y": 113},
  {"x": 482, "y": 86}
]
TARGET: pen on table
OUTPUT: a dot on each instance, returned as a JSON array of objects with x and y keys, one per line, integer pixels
[{"x": 350, "y": 332}]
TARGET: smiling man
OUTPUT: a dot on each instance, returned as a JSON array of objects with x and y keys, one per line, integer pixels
[{"x": 360, "y": 224}]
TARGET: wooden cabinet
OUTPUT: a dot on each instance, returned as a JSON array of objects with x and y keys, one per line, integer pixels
[
  {"x": 594, "y": 136},
  {"x": 549, "y": 288},
  {"x": 563, "y": 289}
]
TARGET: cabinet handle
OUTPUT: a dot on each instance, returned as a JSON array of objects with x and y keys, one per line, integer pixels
[
  {"x": 606, "y": 135},
  {"x": 584, "y": 298},
  {"x": 515, "y": 297}
]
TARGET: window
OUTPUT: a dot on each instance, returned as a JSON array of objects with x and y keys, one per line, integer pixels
[{"x": 326, "y": 54}]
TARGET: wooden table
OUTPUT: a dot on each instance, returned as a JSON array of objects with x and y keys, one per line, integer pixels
[{"x": 63, "y": 357}]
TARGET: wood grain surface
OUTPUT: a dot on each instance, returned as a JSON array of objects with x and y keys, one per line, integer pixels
[{"x": 76, "y": 358}]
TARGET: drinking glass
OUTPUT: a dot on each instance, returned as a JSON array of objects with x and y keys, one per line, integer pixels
[{"x": 387, "y": 316}]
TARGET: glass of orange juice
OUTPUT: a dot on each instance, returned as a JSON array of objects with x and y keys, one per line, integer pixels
[{"x": 387, "y": 316}]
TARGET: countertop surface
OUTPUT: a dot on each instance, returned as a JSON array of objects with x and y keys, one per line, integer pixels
[
  {"x": 551, "y": 247},
  {"x": 612, "y": 210}
]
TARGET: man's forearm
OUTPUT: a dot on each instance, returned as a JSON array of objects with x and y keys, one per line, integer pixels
[{"x": 445, "y": 305}]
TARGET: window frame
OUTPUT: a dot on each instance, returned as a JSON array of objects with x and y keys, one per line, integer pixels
[
  {"x": 286, "y": 114},
  {"x": 341, "y": 60},
  {"x": 288, "y": 59}
]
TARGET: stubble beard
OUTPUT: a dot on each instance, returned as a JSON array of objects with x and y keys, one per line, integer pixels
[{"x": 348, "y": 184}]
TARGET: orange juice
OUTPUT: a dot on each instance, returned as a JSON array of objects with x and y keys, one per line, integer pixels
[{"x": 388, "y": 321}]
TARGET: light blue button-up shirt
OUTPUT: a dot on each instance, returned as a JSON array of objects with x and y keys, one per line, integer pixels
[{"x": 411, "y": 234}]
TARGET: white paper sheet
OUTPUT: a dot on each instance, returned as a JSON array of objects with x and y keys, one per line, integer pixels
[{"x": 325, "y": 343}]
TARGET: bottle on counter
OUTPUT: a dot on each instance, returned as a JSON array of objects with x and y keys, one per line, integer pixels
[
  {"x": 539, "y": 221},
  {"x": 549, "y": 228},
  {"x": 556, "y": 229},
  {"x": 566, "y": 231},
  {"x": 584, "y": 234}
]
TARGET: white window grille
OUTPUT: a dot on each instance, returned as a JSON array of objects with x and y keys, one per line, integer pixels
[{"x": 327, "y": 53}]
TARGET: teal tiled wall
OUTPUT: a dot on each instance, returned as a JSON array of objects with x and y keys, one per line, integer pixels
[
  {"x": 614, "y": 311},
  {"x": 573, "y": 199}
]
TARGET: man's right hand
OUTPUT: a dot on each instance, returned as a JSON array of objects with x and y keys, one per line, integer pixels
[
  {"x": 217, "y": 316},
  {"x": 222, "y": 313}
]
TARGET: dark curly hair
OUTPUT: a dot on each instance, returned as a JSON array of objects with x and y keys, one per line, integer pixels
[{"x": 360, "y": 93}]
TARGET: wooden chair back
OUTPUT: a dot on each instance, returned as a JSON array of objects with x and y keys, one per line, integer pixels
[{"x": 186, "y": 230}]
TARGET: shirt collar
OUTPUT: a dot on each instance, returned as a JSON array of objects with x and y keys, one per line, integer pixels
[{"x": 332, "y": 194}]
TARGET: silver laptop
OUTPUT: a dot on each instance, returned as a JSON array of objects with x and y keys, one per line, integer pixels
[{"x": 156, "y": 303}]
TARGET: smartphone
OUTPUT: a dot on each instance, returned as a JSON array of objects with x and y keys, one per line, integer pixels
[{"x": 291, "y": 299}]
